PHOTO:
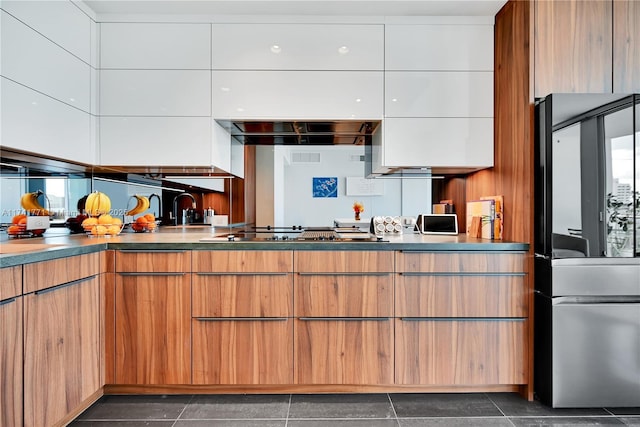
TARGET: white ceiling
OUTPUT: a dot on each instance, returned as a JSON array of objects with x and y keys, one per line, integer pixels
[{"x": 299, "y": 7}]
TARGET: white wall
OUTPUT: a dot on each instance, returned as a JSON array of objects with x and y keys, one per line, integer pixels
[{"x": 295, "y": 204}]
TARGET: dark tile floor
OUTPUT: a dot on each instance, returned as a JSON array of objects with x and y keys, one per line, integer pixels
[{"x": 350, "y": 410}]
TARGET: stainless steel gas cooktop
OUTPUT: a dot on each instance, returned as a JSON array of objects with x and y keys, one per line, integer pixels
[{"x": 295, "y": 234}]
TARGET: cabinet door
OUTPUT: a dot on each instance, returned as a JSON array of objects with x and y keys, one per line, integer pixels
[
  {"x": 10, "y": 282},
  {"x": 153, "y": 314},
  {"x": 459, "y": 352},
  {"x": 424, "y": 295},
  {"x": 155, "y": 46},
  {"x": 626, "y": 46},
  {"x": 62, "y": 341},
  {"x": 438, "y": 94},
  {"x": 64, "y": 23},
  {"x": 242, "y": 351},
  {"x": 297, "y": 47},
  {"x": 238, "y": 261},
  {"x": 11, "y": 362},
  {"x": 134, "y": 141},
  {"x": 39, "y": 64},
  {"x": 439, "y": 262},
  {"x": 343, "y": 351},
  {"x": 573, "y": 47},
  {"x": 439, "y": 47},
  {"x": 155, "y": 93},
  {"x": 418, "y": 142},
  {"x": 340, "y": 295},
  {"x": 297, "y": 94},
  {"x": 344, "y": 261},
  {"x": 45, "y": 274},
  {"x": 37, "y": 123},
  {"x": 233, "y": 295}
]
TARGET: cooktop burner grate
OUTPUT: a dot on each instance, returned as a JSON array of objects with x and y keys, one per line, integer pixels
[{"x": 318, "y": 235}]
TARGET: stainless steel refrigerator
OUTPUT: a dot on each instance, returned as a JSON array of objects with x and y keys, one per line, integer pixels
[{"x": 587, "y": 250}]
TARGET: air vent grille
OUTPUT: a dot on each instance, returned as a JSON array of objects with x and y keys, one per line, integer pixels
[{"x": 304, "y": 157}]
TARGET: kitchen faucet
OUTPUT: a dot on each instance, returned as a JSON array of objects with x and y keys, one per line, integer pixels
[
  {"x": 175, "y": 206},
  {"x": 152, "y": 196}
]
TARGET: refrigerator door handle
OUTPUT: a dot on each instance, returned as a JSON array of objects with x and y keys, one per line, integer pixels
[
  {"x": 587, "y": 300},
  {"x": 541, "y": 256}
]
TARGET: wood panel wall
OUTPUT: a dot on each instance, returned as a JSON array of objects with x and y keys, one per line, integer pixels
[
  {"x": 626, "y": 46},
  {"x": 573, "y": 46}
]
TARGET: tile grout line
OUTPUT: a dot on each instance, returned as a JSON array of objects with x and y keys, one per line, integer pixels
[
  {"x": 393, "y": 408},
  {"x": 182, "y": 412},
  {"x": 286, "y": 421}
]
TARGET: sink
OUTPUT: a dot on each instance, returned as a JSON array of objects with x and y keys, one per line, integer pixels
[{"x": 6, "y": 248}]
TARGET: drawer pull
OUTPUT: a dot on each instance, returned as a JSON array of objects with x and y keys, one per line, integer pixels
[
  {"x": 7, "y": 301},
  {"x": 242, "y": 319},
  {"x": 146, "y": 251},
  {"x": 345, "y": 319},
  {"x": 64, "y": 285},
  {"x": 439, "y": 273},
  {"x": 346, "y": 274},
  {"x": 462, "y": 319},
  {"x": 239, "y": 274},
  {"x": 151, "y": 274}
]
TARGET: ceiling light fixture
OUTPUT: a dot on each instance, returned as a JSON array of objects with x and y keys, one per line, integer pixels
[
  {"x": 343, "y": 50},
  {"x": 276, "y": 48}
]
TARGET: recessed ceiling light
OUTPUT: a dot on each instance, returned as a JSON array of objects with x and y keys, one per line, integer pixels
[
  {"x": 358, "y": 99},
  {"x": 343, "y": 50},
  {"x": 276, "y": 48},
  {"x": 34, "y": 103},
  {"x": 72, "y": 99},
  {"x": 394, "y": 100},
  {"x": 240, "y": 109},
  {"x": 225, "y": 89}
]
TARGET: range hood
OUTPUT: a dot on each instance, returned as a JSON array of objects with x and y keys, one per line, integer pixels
[{"x": 301, "y": 132}]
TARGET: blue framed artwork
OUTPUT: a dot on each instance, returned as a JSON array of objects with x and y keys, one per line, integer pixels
[{"x": 325, "y": 187}]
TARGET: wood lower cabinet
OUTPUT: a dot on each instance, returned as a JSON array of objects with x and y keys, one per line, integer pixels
[
  {"x": 11, "y": 361},
  {"x": 343, "y": 351},
  {"x": 62, "y": 344},
  {"x": 459, "y": 351},
  {"x": 343, "y": 303},
  {"x": 242, "y": 317},
  {"x": 461, "y": 318},
  {"x": 153, "y": 317},
  {"x": 153, "y": 344},
  {"x": 242, "y": 351}
]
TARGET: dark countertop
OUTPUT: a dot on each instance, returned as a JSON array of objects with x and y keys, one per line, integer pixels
[{"x": 24, "y": 251}]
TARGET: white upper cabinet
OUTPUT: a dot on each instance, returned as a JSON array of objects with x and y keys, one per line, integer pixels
[
  {"x": 39, "y": 124},
  {"x": 297, "y": 47},
  {"x": 438, "y": 94},
  {"x": 155, "y": 46},
  {"x": 62, "y": 22},
  {"x": 439, "y": 47},
  {"x": 297, "y": 94},
  {"x": 38, "y": 63},
  {"x": 155, "y": 93},
  {"x": 438, "y": 142},
  {"x": 155, "y": 141}
]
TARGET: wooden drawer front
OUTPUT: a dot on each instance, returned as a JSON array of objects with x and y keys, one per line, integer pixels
[
  {"x": 243, "y": 261},
  {"x": 11, "y": 362},
  {"x": 62, "y": 349},
  {"x": 338, "y": 295},
  {"x": 344, "y": 261},
  {"x": 242, "y": 351},
  {"x": 108, "y": 262},
  {"x": 10, "y": 282},
  {"x": 150, "y": 261},
  {"x": 343, "y": 351},
  {"x": 458, "y": 352},
  {"x": 255, "y": 295},
  {"x": 461, "y": 296},
  {"x": 456, "y": 262},
  {"x": 153, "y": 329},
  {"x": 45, "y": 274}
]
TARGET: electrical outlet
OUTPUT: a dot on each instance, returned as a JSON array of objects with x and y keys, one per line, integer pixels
[{"x": 37, "y": 222}]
